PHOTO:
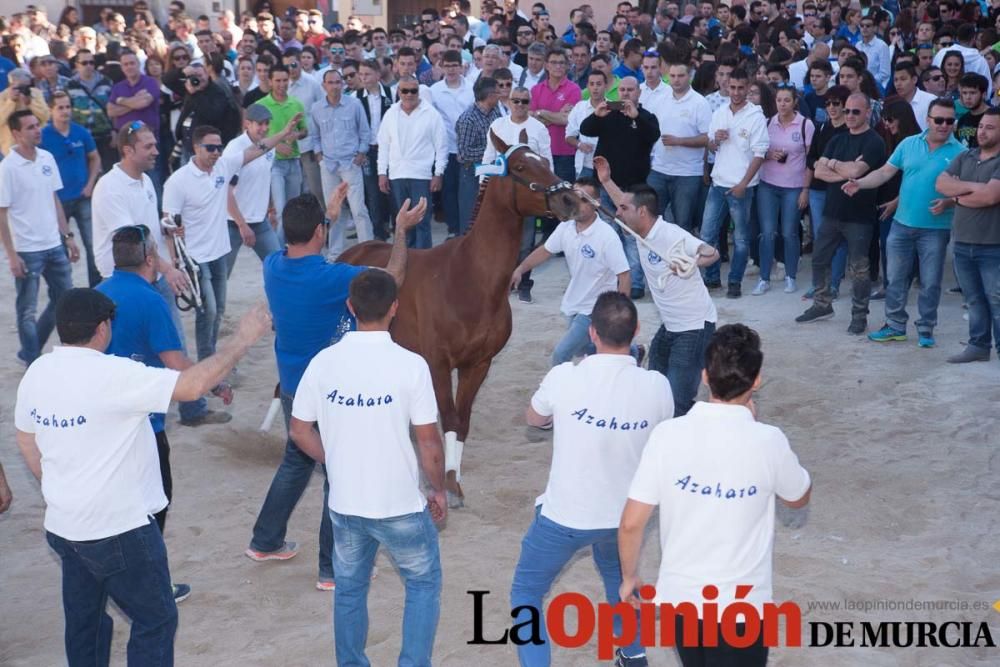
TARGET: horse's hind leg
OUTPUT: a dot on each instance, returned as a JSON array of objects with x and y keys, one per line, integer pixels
[
  {"x": 441, "y": 378},
  {"x": 470, "y": 379}
]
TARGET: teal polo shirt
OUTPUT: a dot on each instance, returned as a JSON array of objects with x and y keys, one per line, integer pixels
[{"x": 921, "y": 167}]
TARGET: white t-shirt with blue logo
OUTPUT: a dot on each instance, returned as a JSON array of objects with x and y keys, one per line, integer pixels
[
  {"x": 714, "y": 474},
  {"x": 27, "y": 191},
  {"x": 253, "y": 191},
  {"x": 683, "y": 303},
  {"x": 201, "y": 198},
  {"x": 595, "y": 258}
]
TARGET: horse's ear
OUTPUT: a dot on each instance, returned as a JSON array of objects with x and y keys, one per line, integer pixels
[
  {"x": 523, "y": 137},
  {"x": 498, "y": 143}
]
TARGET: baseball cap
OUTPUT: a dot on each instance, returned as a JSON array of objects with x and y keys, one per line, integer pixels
[{"x": 258, "y": 113}]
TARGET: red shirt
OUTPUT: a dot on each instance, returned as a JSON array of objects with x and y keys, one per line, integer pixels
[{"x": 544, "y": 98}]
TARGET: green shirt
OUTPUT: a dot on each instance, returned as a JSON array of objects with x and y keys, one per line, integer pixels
[
  {"x": 611, "y": 94},
  {"x": 281, "y": 113}
]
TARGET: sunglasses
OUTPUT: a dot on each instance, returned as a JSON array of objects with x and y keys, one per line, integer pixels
[
  {"x": 514, "y": 100},
  {"x": 85, "y": 63},
  {"x": 179, "y": 56},
  {"x": 854, "y": 112},
  {"x": 292, "y": 65},
  {"x": 525, "y": 33},
  {"x": 337, "y": 51},
  {"x": 935, "y": 77},
  {"x": 212, "y": 148},
  {"x": 427, "y": 20},
  {"x": 945, "y": 45},
  {"x": 350, "y": 75},
  {"x": 940, "y": 120},
  {"x": 134, "y": 127},
  {"x": 834, "y": 103},
  {"x": 409, "y": 91},
  {"x": 784, "y": 86}
]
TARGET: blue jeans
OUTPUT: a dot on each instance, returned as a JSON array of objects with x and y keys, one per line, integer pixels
[
  {"x": 457, "y": 223},
  {"x": 903, "y": 245},
  {"x": 286, "y": 183},
  {"x": 411, "y": 540},
  {"x": 776, "y": 205},
  {"x": 680, "y": 356},
  {"x": 545, "y": 550},
  {"x": 716, "y": 205},
  {"x": 53, "y": 265},
  {"x": 413, "y": 189},
  {"x": 208, "y": 318},
  {"x": 188, "y": 409},
  {"x": 266, "y": 243},
  {"x": 132, "y": 570},
  {"x": 79, "y": 210},
  {"x": 287, "y": 487},
  {"x": 468, "y": 191},
  {"x": 678, "y": 195},
  {"x": 629, "y": 245},
  {"x": 817, "y": 199},
  {"x": 576, "y": 341},
  {"x": 978, "y": 270}
]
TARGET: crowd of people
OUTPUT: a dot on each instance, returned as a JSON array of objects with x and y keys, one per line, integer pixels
[{"x": 745, "y": 133}]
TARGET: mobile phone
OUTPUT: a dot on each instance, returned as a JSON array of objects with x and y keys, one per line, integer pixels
[{"x": 616, "y": 106}]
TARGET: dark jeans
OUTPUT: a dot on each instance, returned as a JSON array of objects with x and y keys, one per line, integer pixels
[
  {"x": 109, "y": 154},
  {"x": 376, "y": 201},
  {"x": 722, "y": 655},
  {"x": 468, "y": 192},
  {"x": 286, "y": 489},
  {"x": 529, "y": 227},
  {"x": 858, "y": 236},
  {"x": 677, "y": 195},
  {"x": 132, "y": 570},
  {"x": 680, "y": 356},
  {"x": 413, "y": 189},
  {"x": 904, "y": 246},
  {"x": 79, "y": 210},
  {"x": 53, "y": 265},
  {"x": 978, "y": 270},
  {"x": 450, "y": 193},
  {"x": 163, "y": 452}
]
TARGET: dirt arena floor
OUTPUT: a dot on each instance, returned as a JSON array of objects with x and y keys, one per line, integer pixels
[{"x": 902, "y": 447}]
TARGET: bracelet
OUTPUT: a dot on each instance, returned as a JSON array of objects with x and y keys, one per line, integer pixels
[{"x": 67, "y": 236}]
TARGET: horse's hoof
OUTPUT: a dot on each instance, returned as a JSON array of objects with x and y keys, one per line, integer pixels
[{"x": 455, "y": 501}]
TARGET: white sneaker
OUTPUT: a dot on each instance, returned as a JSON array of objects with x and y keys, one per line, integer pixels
[
  {"x": 762, "y": 287},
  {"x": 790, "y": 285}
]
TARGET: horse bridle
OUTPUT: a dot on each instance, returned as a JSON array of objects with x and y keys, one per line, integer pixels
[{"x": 549, "y": 191}]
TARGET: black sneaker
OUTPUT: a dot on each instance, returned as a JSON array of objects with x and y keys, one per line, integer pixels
[
  {"x": 815, "y": 313},
  {"x": 735, "y": 291},
  {"x": 524, "y": 293},
  {"x": 713, "y": 284},
  {"x": 637, "y": 293},
  {"x": 858, "y": 326},
  {"x": 181, "y": 592}
]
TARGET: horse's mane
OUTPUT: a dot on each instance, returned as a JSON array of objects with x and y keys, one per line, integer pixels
[{"x": 479, "y": 202}]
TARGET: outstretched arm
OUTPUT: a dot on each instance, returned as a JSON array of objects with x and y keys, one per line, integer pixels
[{"x": 406, "y": 219}]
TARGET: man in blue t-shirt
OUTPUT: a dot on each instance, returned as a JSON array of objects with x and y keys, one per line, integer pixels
[
  {"x": 308, "y": 300},
  {"x": 144, "y": 331},
  {"x": 79, "y": 164}
]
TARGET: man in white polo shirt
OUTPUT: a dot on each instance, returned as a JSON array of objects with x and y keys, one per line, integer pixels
[
  {"x": 34, "y": 230},
  {"x": 602, "y": 412},
  {"x": 364, "y": 393},
  {"x": 714, "y": 474},
  {"x": 83, "y": 427},
  {"x": 596, "y": 264},
  {"x": 198, "y": 192},
  {"x": 686, "y": 310},
  {"x": 251, "y": 196},
  {"x": 678, "y": 157}
]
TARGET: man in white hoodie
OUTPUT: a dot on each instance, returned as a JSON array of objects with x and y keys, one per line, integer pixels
[{"x": 413, "y": 153}]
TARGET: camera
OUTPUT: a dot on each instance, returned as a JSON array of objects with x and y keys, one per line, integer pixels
[
  {"x": 194, "y": 81},
  {"x": 24, "y": 90}
]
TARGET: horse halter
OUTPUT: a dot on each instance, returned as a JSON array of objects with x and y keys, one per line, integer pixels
[{"x": 499, "y": 168}]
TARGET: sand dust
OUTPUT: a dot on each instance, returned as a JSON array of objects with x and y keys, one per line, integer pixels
[{"x": 903, "y": 449}]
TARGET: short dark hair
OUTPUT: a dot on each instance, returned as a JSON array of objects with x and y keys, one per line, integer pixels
[
  {"x": 732, "y": 361},
  {"x": 14, "y": 122},
  {"x": 79, "y": 312},
  {"x": 615, "y": 319},
  {"x": 589, "y": 182},
  {"x": 203, "y": 131},
  {"x": 451, "y": 56},
  {"x": 645, "y": 197},
  {"x": 739, "y": 74},
  {"x": 973, "y": 80},
  {"x": 292, "y": 52},
  {"x": 300, "y": 218},
  {"x": 371, "y": 294},
  {"x": 484, "y": 87},
  {"x": 907, "y": 67},
  {"x": 598, "y": 72},
  {"x": 277, "y": 67},
  {"x": 130, "y": 246},
  {"x": 944, "y": 103}
]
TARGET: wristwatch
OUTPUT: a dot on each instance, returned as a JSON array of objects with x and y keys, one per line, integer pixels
[{"x": 68, "y": 235}]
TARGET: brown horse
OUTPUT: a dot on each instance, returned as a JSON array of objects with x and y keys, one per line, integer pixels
[{"x": 453, "y": 306}]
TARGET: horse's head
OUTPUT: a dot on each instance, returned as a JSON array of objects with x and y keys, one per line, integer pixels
[{"x": 537, "y": 191}]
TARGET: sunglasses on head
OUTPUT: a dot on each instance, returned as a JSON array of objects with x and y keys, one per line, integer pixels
[
  {"x": 131, "y": 234},
  {"x": 651, "y": 53},
  {"x": 212, "y": 148},
  {"x": 941, "y": 120},
  {"x": 854, "y": 112}
]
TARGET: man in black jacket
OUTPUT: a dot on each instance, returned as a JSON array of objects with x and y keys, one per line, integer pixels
[
  {"x": 625, "y": 136},
  {"x": 205, "y": 104},
  {"x": 376, "y": 98}
]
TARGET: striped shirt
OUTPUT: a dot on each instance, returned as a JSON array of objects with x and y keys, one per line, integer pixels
[{"x": 471, "y": 130}]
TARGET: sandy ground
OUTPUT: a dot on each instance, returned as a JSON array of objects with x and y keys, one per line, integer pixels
[{"x": 902, "y": 448}]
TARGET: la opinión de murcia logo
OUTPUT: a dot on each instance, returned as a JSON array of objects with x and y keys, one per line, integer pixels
[{"x": 656, "y": 625}]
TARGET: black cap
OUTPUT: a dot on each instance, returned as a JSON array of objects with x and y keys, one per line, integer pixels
[{"x": 78, "y": 313}]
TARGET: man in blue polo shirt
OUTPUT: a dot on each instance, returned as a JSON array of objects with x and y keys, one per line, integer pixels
[
  {"x": 922, "y": 223},
  {"x": 144, "y": 331},
  {"x": 308, "y": 300},
  {"x": 79, "y": 163}
]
